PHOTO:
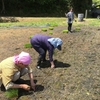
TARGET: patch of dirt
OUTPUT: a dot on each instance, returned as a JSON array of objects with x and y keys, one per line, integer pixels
[{"x": 77, "y": 72}]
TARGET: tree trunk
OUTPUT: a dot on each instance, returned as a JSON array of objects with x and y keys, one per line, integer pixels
[{"x": 3, "y": 7}]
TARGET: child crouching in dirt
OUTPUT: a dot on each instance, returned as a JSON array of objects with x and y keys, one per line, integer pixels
[
  {"x": 12, "y": 68},
  {"x": 42, "y": 44}
]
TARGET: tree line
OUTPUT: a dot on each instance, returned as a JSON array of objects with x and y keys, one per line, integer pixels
[{"x": 38, "y": 8}]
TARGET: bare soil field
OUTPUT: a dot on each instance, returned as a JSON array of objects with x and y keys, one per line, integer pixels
[{"x": 77, "y": 72}]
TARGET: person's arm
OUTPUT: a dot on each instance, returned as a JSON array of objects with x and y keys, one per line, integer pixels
[
  {"x": 23, "y": 86},
  {"x": 12, "y": 85},
  {"x": 32, "y": 81},
  {"x": 67, "y": 14},
  {"x": 30, "y": 73},
  {"x": 51, "y": 50}
]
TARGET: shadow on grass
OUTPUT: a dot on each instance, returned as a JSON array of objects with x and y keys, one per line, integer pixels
[{"x": 58, "y": 64}]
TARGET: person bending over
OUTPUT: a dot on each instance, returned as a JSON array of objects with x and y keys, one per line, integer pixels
[
  {"x": 12, "y": 68},
  {"x": 42, "y": 44}
]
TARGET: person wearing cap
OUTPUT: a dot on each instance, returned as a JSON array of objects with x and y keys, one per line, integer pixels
[
  {"x": 42, "y": 44},
  {"x": 12, "y": 68}
]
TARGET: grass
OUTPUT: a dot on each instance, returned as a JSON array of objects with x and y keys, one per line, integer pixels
[
  {"x": 31, "y": 37},
  {"x": 28, "y": 45},
  {"x": 11, "y": 93},
  {"x": 78, "y": 28},
  {"x": 65, "y": 31},
  {"x": 88, "y": 22},
  {"x": 44, "y": 29},
  {"x": 51, "y": 33},
  {"x": 51, "y": 28},
  {"x": 35, "y": 22},
  {"x": 48, "y": 21}
]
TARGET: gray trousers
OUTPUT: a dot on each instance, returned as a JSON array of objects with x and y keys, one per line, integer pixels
[{"x": 18, "y": 74}]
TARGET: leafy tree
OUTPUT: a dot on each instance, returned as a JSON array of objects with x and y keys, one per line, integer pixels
[
  {"x": 42, "y": 7},
  {"x": 96, "y": 1},
  {"x": 80, "y": 7}
]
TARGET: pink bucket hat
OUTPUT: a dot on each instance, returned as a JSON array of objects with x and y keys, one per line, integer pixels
[{"x": 23, "y": 57}]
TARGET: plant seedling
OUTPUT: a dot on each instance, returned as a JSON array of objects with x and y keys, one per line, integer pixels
[
  {"x": 65, "y": 31},
  {"x": 28, "y": 45},
  {"x": 51, "y": 33},
  {"x": 11, "y": 93},
  {"x": 51, "y": 28},
  {"x": 44, "y": 29},
  {"x": 31, "y": 37}
]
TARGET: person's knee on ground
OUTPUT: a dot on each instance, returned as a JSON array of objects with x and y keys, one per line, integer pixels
[{"x": 9, "y": 85}]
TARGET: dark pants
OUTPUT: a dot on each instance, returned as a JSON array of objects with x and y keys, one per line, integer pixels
[
  {"x": 69, "y": 26},
  {"x": 42, "y": 55}
]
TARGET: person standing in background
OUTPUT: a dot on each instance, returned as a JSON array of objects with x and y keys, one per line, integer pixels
[{"x": 70, "y": 16}]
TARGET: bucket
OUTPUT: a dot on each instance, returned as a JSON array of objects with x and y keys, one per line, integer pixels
[{"x": 80, "y": 17}]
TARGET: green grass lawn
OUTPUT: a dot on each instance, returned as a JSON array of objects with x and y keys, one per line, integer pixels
[{"x": 49, "y": 21}]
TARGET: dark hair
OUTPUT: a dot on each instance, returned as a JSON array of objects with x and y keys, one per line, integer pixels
[{"x": 71, "y": 8}]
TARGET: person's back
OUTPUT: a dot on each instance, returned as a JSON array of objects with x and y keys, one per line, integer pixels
[
  {"x": 42, "y": 43},
  {"x": 40, "y": 40}
]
